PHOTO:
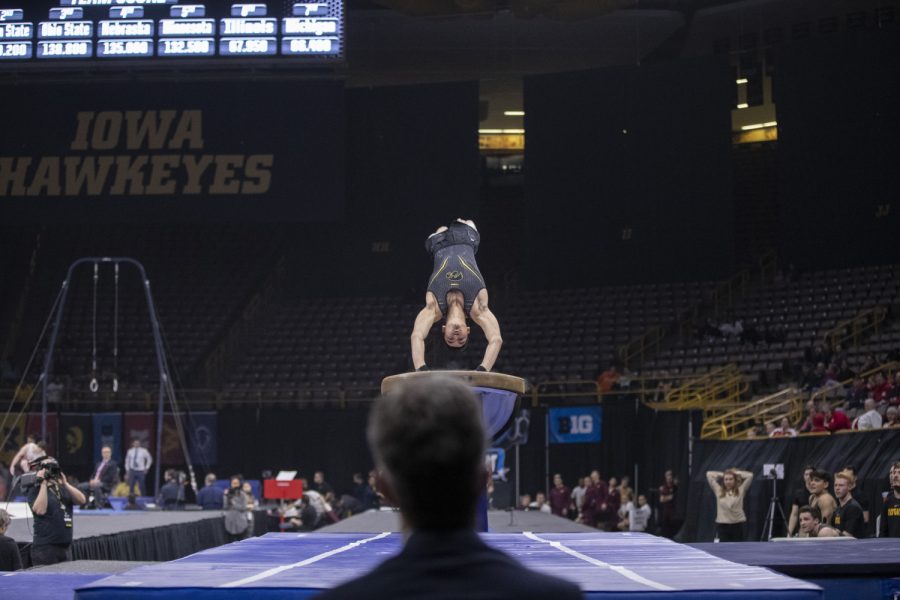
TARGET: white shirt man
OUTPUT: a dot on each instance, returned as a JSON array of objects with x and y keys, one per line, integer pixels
[
  {"x": 871, "y": 419},
  {"x": 137, "y": 463}
]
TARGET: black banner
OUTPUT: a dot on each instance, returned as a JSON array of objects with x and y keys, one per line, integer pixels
[
  {"x": 76, "y": 440},
  {"x": 125, "y": 150}
]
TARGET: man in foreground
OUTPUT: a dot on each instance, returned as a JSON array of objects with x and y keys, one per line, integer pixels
[
  {"x": 456, "y": 290},
  {"x": 427, "y": 438}
]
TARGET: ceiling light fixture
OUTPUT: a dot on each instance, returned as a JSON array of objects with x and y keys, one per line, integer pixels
[
  {"x": 514, "y": 113},
  {"x": 743, "y": 105},
  {"x": 741, "y": 80}
]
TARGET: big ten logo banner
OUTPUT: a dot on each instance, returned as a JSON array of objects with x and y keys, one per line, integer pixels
[
  {"x": 254, "y": 148},
  {"x": 575, "y": 425}
]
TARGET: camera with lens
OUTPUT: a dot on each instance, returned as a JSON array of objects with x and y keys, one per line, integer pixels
[{"x": 52, "y": 472}]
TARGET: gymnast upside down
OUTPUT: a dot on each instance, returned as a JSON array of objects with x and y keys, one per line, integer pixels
[{"x": 455, "y": 290}]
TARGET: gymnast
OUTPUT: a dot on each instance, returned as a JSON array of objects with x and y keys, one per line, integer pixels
[{"x": 455, "y": 289}]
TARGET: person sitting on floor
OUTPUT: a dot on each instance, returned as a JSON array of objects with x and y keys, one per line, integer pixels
[{"x": 811, "y": 524}]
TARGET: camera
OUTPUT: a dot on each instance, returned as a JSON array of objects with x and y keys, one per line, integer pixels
[{"x": 52, "y": 472}]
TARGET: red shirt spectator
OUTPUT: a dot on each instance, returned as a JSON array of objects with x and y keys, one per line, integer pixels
[
  {"x": 836, "y": 420},
  {"x": 818, "y": 423}
]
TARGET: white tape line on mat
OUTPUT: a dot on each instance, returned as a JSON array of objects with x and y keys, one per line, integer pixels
[
  {"x": 623, "y": 571},
  {"x": 303, "y": 563}
]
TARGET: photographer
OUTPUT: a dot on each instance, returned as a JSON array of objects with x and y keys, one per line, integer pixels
[
  {"x": 51, "y": 501},
  {"x": 237, "y": 504}
]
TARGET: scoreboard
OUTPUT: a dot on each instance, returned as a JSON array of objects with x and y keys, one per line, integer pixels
[{"x": 125, "y": 30}]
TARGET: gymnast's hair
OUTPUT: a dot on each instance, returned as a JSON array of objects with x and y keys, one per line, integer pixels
[{"x": 429, "y": 439}]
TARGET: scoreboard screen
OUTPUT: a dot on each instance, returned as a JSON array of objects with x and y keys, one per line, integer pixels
[{"x": 73, "y": 31}]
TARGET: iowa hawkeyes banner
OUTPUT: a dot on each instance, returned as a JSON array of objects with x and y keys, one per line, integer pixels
[
  {"x": 76, "y": 436},
  {"x": 164, "y": 150}
]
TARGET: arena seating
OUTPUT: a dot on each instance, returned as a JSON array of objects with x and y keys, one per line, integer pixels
[{"x": 794, "y": 316}]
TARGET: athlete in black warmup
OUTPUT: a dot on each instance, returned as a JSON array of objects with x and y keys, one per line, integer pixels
[
  {"x": 890, "y": 512},
  {"x": 456, "y": 289}
]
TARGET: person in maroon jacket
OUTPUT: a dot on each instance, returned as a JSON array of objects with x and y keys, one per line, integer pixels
[
  {"x": 560, "y": 497},
  {"x": 595, "y": 500},
  {"x": 836, "y": 419}
]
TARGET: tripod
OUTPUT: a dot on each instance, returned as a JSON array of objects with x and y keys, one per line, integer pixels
[{"x": 774, "y": 508}]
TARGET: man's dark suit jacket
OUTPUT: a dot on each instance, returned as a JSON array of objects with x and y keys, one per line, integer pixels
[
  {"x": 456, "y": 564},
  {"x": 109, "y": 476}
]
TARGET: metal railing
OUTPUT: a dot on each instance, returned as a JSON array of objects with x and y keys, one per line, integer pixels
[
  {"x": 735, "y": 422},
  {"x": 852, "y": 330}
]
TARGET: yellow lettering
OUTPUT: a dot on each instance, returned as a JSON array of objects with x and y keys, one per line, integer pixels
[
  {"x": 46, "y": 177},
  {"x": 149, "y": 127},
  {"x": 259, "y": 170},
  {"x": 81, "y": 171},
  {"x": 224, "y": 181},
  {"x": 12, "y": 173},
  {"x": 106, "y": 130},
  {"x": 129, "y": 173},
  {"x": 161, "y": 181},
  {"x": 195, "y": 168},
  {"x": 81, "y": 132},
  {"x": 190, "y": 130}
]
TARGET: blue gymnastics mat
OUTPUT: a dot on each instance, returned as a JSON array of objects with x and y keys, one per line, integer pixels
[
  {"x": 605, "y": 565},
  {"x": 27, "y": 585}
]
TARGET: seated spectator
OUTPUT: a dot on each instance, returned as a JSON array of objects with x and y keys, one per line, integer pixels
[
  {"x": 811, "y": 412},
  {"x": 856, "y": 396},
  {"x": 301, "y": 516},
  {"x": 870, "y": 419},
  {"x": 210, "y": 497},
  {"x": 891, "y": 418},
  {"x": 835, "y": 419},
  {"x": 639, "y": 516},
  {"x": 539, "y": 503},
  {"x": 815, "y": 378},
  {"x": 607, "y": 380},
  {"x": 428, "y": 438},
  {"x": 133, "y": 503},
  {"x": 171, "y": 494},
  {"x": 525, "y": 502},
  {"x": 879, "y": 388},
  {"x": 818, "y": 425},
  {"x": 784, "y": 429},
  {"x": 811, "y": 524},
  {"x": 819, "y": 496},
  {"x": 10, "y": 559},
  {"x": 848, "y": 516}
]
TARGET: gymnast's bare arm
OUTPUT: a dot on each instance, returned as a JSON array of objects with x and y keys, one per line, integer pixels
[
  {"x": 482, "y": 315},
  {"x": 427, "y": 317}
]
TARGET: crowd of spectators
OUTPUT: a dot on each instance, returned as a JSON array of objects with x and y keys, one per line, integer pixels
[{"x": 608, "y": 505}]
